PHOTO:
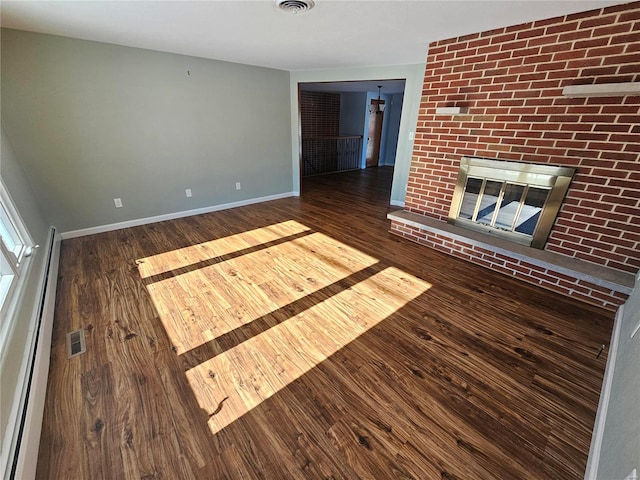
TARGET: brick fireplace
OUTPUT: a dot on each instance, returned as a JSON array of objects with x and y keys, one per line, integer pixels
[{"x": 508, "y": 85}]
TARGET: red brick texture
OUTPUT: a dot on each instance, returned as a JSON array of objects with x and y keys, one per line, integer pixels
[
  {"x": 511, "y": 80},
  {"x": 320, "y": 118},
  {"x": 528, "y": 272},
  {"x": 319, "y": 114}
]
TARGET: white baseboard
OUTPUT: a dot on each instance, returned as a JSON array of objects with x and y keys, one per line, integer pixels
[
  {"x": 170, "y": 216},
  {"x": 591, "y": 471},
  {"x": 34, "y": 370},
  {"x": 397, "y": 203}
]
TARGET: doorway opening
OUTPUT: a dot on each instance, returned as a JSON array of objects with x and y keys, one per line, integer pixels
[{"x": 347, "y": 126}]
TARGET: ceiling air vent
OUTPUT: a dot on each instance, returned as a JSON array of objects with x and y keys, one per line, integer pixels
[{"x": 295, "y": 6}]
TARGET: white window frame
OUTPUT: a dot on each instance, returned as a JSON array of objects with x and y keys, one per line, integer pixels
[{"x": 16, "y": 246}]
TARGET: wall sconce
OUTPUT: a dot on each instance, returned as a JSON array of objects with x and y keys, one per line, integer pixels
[{"x": 378, "y": 108}]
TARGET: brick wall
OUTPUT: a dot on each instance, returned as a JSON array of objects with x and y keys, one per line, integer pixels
[
  {"x": 319, "y": 118},
  {"x": 529, "y": 272},
  {"x": 511, "y": 80},
  {"x": 319, "y": 114}
]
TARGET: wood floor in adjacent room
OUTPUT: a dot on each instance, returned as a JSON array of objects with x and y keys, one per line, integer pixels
[{"x": 298, "y": 339}]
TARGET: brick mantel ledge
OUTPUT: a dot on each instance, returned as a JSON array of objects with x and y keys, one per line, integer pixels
[{"x": 548, "y": 269}]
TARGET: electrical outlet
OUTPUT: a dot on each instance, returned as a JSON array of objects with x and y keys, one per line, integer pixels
[
  {"x": 411, "y": 135},
  {"x": 238, "y": 186},
  {"x": 117, "y": 202},
  {"x": 188, "y": 193}
]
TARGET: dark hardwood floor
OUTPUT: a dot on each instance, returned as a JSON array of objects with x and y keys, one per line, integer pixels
[{"x": 298, "y": 339}]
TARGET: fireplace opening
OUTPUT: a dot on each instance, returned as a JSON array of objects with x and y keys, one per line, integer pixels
[{"x": 516, "y": 201}]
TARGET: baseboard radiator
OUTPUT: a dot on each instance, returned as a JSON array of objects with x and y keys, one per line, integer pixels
[{"x": 26, "y": 435}]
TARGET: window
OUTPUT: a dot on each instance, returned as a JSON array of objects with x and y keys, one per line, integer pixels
[
  {"x": 516, "y": 201},
  {"x": 15, "y": 247}
]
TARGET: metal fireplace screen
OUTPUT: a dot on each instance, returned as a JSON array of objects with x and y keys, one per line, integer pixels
[{"x": 516, "y": 201}]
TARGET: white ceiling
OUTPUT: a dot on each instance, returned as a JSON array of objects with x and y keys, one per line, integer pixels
[{"x": 335, "y": 34}]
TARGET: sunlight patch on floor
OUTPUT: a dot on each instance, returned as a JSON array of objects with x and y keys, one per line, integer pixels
[
  {"x": 258, "y": 368},
  {"x": 205, "y": 303},
  {"x": 183, "y": 257}
]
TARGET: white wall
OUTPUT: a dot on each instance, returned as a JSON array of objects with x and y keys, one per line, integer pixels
[
  {"x": 414, "y": 75},
  {"x": 91, "y": 121},
  {"x": 620, "y": 450}
]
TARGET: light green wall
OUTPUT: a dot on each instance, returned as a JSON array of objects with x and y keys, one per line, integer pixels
[
  {"x": 620, "y": 452},
  {"x": 24, "y": 200},
  {"x": 90, "y": 122},
  {"x": 414, "y": 75}
]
